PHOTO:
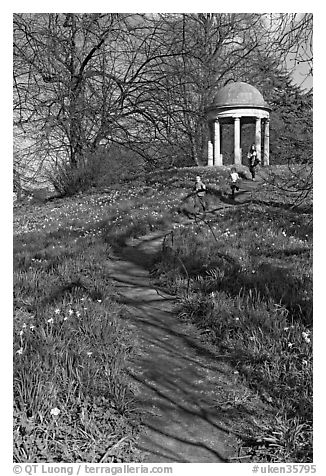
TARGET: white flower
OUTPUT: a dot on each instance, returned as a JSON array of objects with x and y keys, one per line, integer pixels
[
  {"x": 51, "y": 320},
  {"x": 305, "y": 362},
  {"x": 290, "y": 344},
  {"x": 89, "y": 353},
  {"x": 286, "y": 329},
  {"x": 32, "y": 327},
  {"x": 305, "y": 335},
  {"x": 237, "y": 319},
  {"x": 55, "y": 411},
  {"x": 99, "y": 300},
  {"x": 77, "y": 313},
  {"x": 70, "y": 312},
  {"x": 57, "y": 311},
  {"x": 20, "y": 351},
  {"x": 21, "y": 332}
]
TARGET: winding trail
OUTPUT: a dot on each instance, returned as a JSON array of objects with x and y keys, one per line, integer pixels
[{"x": 178, "y": 379}]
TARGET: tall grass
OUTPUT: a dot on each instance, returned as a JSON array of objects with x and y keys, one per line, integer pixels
[
  {"x": 246, "y": 279},
  {"x": 72, "y": 399}
]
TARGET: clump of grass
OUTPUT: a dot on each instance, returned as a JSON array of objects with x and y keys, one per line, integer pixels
[
  {"x": 72, "y": 400},
  {"x": 71, "y": 396},
  {"x": 247, "y": 278}
]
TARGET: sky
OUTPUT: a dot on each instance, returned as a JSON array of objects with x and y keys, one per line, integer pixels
[
  {"x": 301, "y": 50},
  {"x": 301, "y": 76}
]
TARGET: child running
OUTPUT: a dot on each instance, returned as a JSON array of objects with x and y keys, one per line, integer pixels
[
  {"x": 234, "y": 181},
  {"x": 200, "y": 193}
]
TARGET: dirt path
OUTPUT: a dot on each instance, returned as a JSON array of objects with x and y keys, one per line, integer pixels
[{"x": 178, "y": 379}]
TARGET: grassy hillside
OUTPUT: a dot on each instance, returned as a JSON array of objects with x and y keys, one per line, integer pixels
[{"x": 243, "y": 273}]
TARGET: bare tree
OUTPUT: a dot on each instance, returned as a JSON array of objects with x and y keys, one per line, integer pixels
[
  {"x": 141, "y": 80},
  {"x": 291, "y": 39},
  {"x": 56, "y": 62},
  {"x": 84, "y": 79}
]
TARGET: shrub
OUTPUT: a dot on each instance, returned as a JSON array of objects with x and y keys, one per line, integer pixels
[{"x": 68, "y": 180}]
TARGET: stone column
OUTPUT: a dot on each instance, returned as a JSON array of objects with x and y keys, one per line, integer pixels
[
  {"x": 210, "y": 156},
  {"x": 210, "y": 153},
  {"x": 266, "y": 142},
  {"x": 237, "y": 151},
  {"x": 258, "y": 137},
  {"x": 217, "y": 143}
]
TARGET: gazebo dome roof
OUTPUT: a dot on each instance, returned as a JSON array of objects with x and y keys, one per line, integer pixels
[{"x": 239, "y": 94}]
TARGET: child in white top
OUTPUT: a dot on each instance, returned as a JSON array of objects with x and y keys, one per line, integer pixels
[{"x": 234, "y": 181}]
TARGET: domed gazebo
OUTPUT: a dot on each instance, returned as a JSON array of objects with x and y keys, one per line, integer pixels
[{"x": 238, "y": 103}]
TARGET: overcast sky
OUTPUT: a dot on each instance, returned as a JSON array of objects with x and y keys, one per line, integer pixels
[{"x": 301, "y": 77}]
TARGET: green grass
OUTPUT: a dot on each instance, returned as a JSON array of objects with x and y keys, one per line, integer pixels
[
  {"x": 244, "y": 276},
  {"x": 72, "y": 399}
]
